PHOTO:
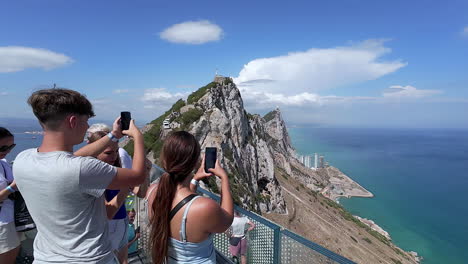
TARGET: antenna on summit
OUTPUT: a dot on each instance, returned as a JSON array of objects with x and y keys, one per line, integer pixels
[{"x": 216, "y": 72}]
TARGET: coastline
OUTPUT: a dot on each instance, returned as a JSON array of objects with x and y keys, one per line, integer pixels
[{"x": 341, "y": 185}]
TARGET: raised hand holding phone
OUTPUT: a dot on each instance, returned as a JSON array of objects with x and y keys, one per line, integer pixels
[
  {"x": 201, "y": 174},
  {"x": 132, "y": 131}
]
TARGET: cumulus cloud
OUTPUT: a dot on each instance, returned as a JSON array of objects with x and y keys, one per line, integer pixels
[
  {"x": 161, "y": 95},
  {"x": 398, "y": 91},
  {"x": 16, "y": 58},
  {"x": 318, "y": 69},
  {"x": 192, "y": 32},
  {"x": 120, "y": 91}
]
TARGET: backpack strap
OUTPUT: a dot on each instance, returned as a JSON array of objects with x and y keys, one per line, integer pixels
[{"x": 180, "y": 205}]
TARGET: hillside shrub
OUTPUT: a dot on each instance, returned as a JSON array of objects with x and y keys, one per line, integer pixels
[{"x": 195, "y": 96}]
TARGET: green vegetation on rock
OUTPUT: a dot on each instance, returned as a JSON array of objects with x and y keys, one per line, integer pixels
[
  {"x": 188, "y": 118},
  {"x": 195, "y": 96},
  {"x": 269, "y": 116}
]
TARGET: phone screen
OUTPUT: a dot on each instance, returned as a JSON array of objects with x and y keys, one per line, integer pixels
[
  {"x": 210, "y": 158},
  {"x": 125, "y": 118}
]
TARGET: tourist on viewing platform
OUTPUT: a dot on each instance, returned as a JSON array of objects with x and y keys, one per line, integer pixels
[
  {"x": 115, "y": 207},
  {"x": 238, "y": 240},
  {"x": 183, "y": 223},
  {"x": 9, "y": 238},
  {"x": 133, "y": 233},
  {"x": 125, "y": 158},
  {"x": 126, "y": 162},
  {"x": 64, "y": 191}
]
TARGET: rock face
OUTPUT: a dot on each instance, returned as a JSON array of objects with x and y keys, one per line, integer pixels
[
  {"x": 250, "y": 148},
  {"x": 245, "y": 146}
]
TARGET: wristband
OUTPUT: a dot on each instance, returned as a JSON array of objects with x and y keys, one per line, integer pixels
[
  {"x": 194, "y": 182},
  {"x": 10, "y": 189},
  {"x": 112, "y": 137}
]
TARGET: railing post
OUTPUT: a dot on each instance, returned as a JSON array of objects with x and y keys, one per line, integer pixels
[{"x": 277, "y": 246}]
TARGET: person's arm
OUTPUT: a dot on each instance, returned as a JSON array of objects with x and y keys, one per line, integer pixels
[
  {"x": 218, "y": 217},
  {"x": 95, "y": 148},
  {"x": 136, "y": 175},
  {"x": 5, "y": 192},
  {"x": 226, "y": 199},
  {"x": 113, "y": 206},
  {"x": 251, "y": 226}
]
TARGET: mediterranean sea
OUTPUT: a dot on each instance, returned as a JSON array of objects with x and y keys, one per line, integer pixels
[{"x": 419, "y": 178}]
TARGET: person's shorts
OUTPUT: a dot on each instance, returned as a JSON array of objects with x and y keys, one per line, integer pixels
[
  {"x": 240, "y": 249},
  {"x": 9, "y": 238},
  {"x": 118, "y": 233}
]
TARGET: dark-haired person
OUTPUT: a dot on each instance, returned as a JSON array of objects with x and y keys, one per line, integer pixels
[
  {"x": 188, "y": 236},
  {"x": 64, "y": 191},
  {"x": 115, "y": 207},
  {"x": 9, "y": 239}
]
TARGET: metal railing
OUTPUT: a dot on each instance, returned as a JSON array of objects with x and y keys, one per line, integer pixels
[{"x": 271, "y": 243}]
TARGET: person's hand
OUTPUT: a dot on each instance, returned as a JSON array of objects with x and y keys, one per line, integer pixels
[
  {"x": 133, "y": 130},
  {"x": 137, "y": 235},
  {"x": 201, "y": 174},
  {"x": 116, "y": 129},
  {"x": 219, "y": 171}
]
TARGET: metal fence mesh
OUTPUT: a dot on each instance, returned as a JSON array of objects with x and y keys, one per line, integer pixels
[
  {"x": 294, "y": 252},
  {"x": 260, "y": 244}
]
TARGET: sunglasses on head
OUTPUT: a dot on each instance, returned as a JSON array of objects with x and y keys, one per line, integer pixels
[{"x": 7, "y": 148}]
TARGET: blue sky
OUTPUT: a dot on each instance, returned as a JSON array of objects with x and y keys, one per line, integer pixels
[{"x": 331, "y": 63}]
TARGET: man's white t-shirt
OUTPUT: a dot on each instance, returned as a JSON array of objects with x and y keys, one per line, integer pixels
[
  {"x": 64, "y": 195},
  {"x": 7, "y": 206},
  {"x": 125, "y": 159},
  {"x": 238, "y": 226}
]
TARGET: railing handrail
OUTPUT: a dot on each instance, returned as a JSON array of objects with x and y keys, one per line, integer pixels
[
  {"x": 307, "y": 243},
  {"x": 316, "y": 247}
]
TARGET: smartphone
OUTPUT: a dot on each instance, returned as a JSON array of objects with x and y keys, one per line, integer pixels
[
  {"x": 210, "y": 158},
  {"x": 125, "y": 118},
  {"x": 137, "y": 230}
]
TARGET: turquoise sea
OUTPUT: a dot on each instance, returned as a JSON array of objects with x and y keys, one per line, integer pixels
[{"x": 419, "y": 178}]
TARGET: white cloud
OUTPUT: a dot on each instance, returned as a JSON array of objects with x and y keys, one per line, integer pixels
[
  {"x": 398, "y": 91},
  {"x": 465, "y": 32},
  {"x": 120, "y": 91},
  {"x": 100, "y": 102},
  {"x": 318, "y": 69},
  {"x": 192, "y": 32},
  {"x": 15, "y": 58},
  {"x": 161, "y": 95}
]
